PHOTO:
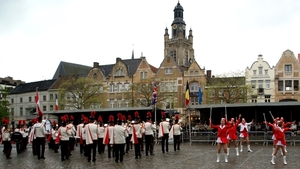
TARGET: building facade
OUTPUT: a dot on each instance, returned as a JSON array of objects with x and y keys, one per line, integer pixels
[
  {"x": 261, "y": 77},
  {"x": 287, "y": 76}
]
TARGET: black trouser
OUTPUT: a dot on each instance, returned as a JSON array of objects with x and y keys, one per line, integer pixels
[
  {"x": 176, "y": 142},
  {"x": 19, "y": 147},
  {"x": 24, "y": 143},
  {"x": 119, "y": 151},
  {"x": 85, "y": 148},
  {"x": 164, "y": 140},
  {"x": 149, "y": 143},
  {"x": 64, "y": 149},
  {"x": 34, "y": 146},
  {"x": 110, "y": 148},
  {"x": 7, "y": 148},
  {"x": 40, "y": 141},
  {"x": 92, "y": 148},
  {"x": 100, "y": 146},
  {"x": 137, "y": 148},
  {"x": 128, "y": 142}
]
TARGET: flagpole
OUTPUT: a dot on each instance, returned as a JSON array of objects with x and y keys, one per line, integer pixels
[
  {"x": 155, "y": 124},
  {"x": 190, "y": 134}
]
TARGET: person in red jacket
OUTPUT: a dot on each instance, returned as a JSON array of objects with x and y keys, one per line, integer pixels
[
  {"x": 222, "y": 138},
  {"x": 232, "y": 134},
  {"x": 279, "y": 133}
]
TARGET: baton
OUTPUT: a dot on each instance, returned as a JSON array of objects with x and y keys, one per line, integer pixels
[
  {"x": 265, "y": 117},
  {"x": 210, "y": 112},
  {"x": 271, "y": 115},
  {"x": 225, "y": 113}
]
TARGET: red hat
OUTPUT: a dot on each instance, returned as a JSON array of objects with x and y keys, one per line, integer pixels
[
  {"x": 176, "y": 117},
  {"x": 82, "y": 117},
  {"x": 63, "y": 119},
  {"x": 54, "y": 123},
  {"x": 129, "y": 117},
  {"x": 136, "y": 115},
  {"x": 123, "y": 118},
  {"x": 111, "y": 119},
  {"x": 163, "y": 115},
  {"x": 149, "y": 115},
  {"x": 100, "y": 120},
  {"x": 92, "y": 117},
  {"x": 5, "y": 121},
  {"x": 71, "y": 118},
  {"x": 120, "y": 116},
  {"x": 86, "y": 120}
]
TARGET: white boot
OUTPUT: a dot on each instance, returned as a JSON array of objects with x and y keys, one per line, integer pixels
[
  {"x": 226, "y": 158},
  {"x": 237, "y": 151},
  {"x": 249, "y": 150},
  {"x": 241, "y": 150},
  {"x": 272, "y": 161},
  {"x": 218, "y": 157},
  {"x": 284, "y": 160},
  {"x": 273, "y": 150},
  {"x": 228, "y": 151}
]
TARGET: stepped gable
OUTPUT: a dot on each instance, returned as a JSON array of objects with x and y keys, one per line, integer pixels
[{"x": 31, "y": 87}]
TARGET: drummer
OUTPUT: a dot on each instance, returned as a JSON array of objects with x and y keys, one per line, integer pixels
[{"x": 17, "y": 136}]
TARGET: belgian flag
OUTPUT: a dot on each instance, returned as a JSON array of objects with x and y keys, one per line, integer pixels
[{"x": 187, "y": 94}]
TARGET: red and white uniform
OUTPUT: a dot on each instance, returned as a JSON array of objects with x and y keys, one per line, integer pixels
[
  {"x": 244, "y": 127},
  {"x": 222, "y": 132},
  {"x": 232, "y": 131}
]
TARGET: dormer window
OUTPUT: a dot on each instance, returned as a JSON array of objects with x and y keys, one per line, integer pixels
[
  {"x": 119, "y": 72},
  {"x": 143, "y": 75}
]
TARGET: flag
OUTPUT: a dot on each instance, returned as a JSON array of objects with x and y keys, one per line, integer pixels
[
  {"x": 37, "y": 101},
  {"x": 199, "y": 95},
  {"x": 187, "y": 94},
  {"x": 154, "y": 94},
  {"x": 56, "y": 102}
]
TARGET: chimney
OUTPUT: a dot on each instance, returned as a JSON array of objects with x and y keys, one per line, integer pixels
[
  {"x": 118, "y": 59},
  {"x": 208, "y": 73},
  {"x": 298, "y": 57},
  {"x": 96, "y": 64}
]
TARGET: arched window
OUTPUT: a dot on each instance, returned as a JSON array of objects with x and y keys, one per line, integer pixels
[{"x": 119, "y": 72}]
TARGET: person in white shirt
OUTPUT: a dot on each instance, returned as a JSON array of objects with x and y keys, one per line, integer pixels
[
  {"x": 244, "y": 128},
  {"x": 91, "y": 131},
  {"x": 108, "y": 136},
  {"x": 175, "y": 132},
  {"x": 72, "y": 136},
  {"x": 149, "y": 127},
  {"x": 54, "y": 134},
  {"x": 137, "y": 135},
  {"x": 101, "y": 132},
  {"x": 79, "y": 134},
  {"x": 64, "y": 134},
  {"x": 118, "y": 139},
  {"x": 6, "y": 133},
  {"x": 39, "y": 132},
  {"x": 163, "y": 133},
  {"x": 128, "y": 139}
]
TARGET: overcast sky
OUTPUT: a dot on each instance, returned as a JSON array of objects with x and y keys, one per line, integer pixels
[{"x": 36, "y": 35}]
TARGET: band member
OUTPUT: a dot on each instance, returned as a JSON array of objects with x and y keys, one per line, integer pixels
[
  {"x": 232, "y": 135},
  {"x": 72, "y": 136},
  {"x": 54, "y": 134},
  {"x": 17, "y": 136},
  {"x": 137, "y": 135},
  {"x": 79, "y": 133},
  {"x": 176, "y": 132},
  {"x": 64, "y": 134},
  {"x": 128, "y": 139},
  {"x": 108, "y": 136},
  {"x": 85, "y": 148},
  {"x": 118, "y": 139},
  {"x": 163, "y": 132},
  {"x": 48, "y": 127},
  {"x": 6, "y": 133},
  {"x": 32, "y": 138},
  {"x": 39, "y": 132},
  {"x": 25, "y": 131},
  {"x": 101, "y": 132},
  {"x": 222, "y": 138},
  {"x": 244, "y": 127},
  {"x": 280, "y": 142},
  {"x": 149, "y": 127},
  {"x": 91, "y": 131}
]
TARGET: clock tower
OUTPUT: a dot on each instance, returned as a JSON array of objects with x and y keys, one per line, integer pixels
[{"x": 179, "y": 47}]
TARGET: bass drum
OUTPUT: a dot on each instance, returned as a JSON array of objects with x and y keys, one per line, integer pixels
[{"x": 17, "y": 137}]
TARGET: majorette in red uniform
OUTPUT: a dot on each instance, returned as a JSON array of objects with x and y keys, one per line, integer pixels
[
  {"x": 244, "y": 127},
  {"x": 279, "y": 134},
  {"x": 232, "y": 135},
  {"x": 222, "y": 138}
]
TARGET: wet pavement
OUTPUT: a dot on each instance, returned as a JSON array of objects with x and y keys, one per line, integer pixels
[{"x": 197, "y": 155}]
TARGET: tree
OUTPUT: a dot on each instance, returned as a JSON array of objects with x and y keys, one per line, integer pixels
[
  {"x": 229, "y": 87},
  {"x": 4, "y": 104},
  {"x": 141, "y": 93},
  {"x": 79, "y": 93}
]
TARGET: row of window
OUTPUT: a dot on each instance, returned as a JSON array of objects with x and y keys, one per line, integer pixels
[
  {"x": 288, "y": 85},
  {"x": 287, "y": 68},
  {"x": 30, "y": 99},
  {"x": 221, "y": 93},
  {"x": 261, "y": 83}
]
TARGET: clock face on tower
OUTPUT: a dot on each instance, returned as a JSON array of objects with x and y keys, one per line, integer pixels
[{"x": 174, "y": 26}]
